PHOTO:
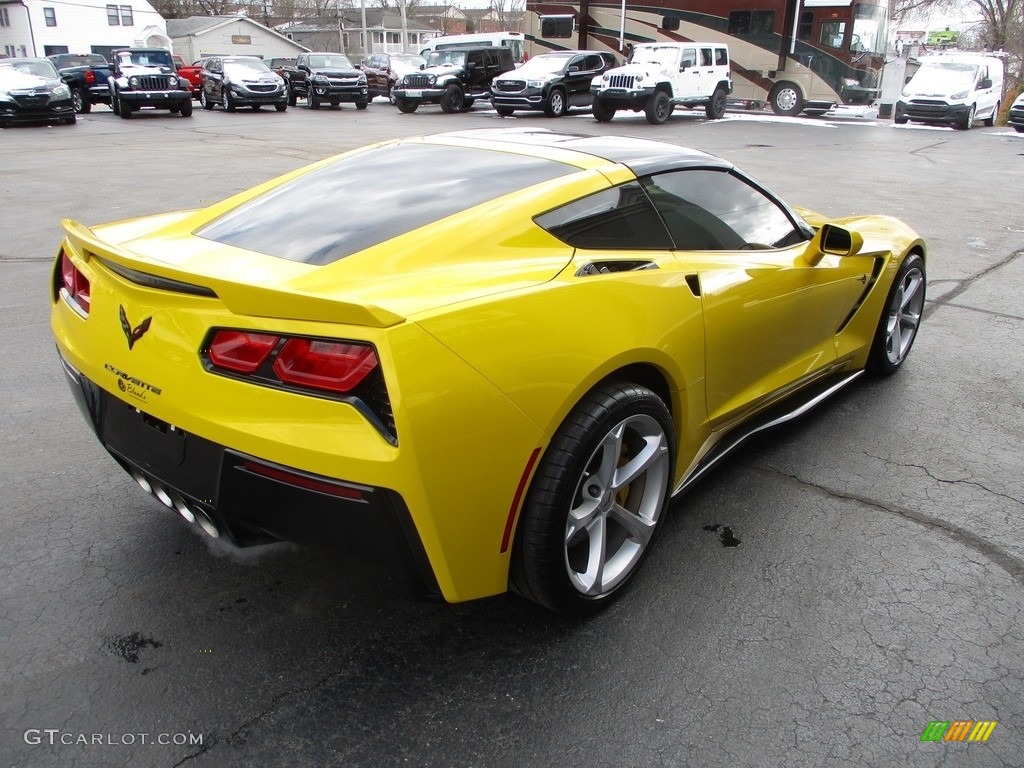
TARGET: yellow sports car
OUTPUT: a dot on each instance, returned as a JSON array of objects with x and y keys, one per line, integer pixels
[{"x": 501, "y": 359}]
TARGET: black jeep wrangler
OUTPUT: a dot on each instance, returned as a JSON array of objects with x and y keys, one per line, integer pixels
[{"x": 453, "y": 78}]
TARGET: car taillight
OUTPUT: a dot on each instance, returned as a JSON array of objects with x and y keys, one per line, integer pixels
[
  {"x": 74, "y": 283},
  {"x": 90, "y": 77},
  {"x": 240, "y": 351},
  {"x": 332, "y": 366}
]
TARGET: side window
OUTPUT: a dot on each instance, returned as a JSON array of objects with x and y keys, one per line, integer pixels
[
  {"x": 705, "y": 57},
  {"x": 708, "y": 210},
  {"x": 593, "y": 64},
  {"x": 689, "y": 58},
  {"x": 721, "y": 57},
  {"x": 832, "y": 34},
  {"x": 621, "y": 218}
]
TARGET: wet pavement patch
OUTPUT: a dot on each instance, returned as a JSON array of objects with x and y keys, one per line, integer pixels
[
  {"x": 128, "y": 647},
  {"x": 727, "y": 538}
]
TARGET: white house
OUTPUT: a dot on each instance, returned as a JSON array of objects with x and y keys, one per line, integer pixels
[
  {"x": 45, "y": 27},
  {"x": 383, "y": 27},
  {"x": 200, "y": 36}
]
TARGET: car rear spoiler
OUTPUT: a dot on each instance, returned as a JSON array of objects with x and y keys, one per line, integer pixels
[{"x": 240, "y": 298}]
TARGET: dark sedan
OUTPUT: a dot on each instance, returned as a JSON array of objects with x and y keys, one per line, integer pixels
[
  {"x": 552, "y": 82},
  {"x": 31, "y": 91}
]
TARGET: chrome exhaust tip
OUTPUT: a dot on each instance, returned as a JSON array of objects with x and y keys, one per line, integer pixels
[
  {"x": 162, "y": 495},
  {"x": 139, "y": 478},
  {"x": 206, "y": 523},
  {"x": 182, "y": 508}
]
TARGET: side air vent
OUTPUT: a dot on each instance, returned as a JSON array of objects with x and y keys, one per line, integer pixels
[{"x": 607, "y": 267}]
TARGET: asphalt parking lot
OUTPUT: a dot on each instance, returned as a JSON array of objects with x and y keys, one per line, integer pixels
[{"x": 877, "y": 584}]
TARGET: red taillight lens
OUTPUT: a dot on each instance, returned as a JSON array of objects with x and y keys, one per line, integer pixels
[
  {"x": 74, "y": 283},
  {"x": 240, "y": 351},
  {"x": 90, "y": 77},
  {"x": 327, "y": 365}
]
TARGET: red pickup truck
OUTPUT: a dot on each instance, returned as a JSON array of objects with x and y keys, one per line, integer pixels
[{"x": 194, "y": 73}]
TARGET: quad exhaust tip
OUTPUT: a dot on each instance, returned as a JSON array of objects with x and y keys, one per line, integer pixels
[{"x": 177, "y": 503}]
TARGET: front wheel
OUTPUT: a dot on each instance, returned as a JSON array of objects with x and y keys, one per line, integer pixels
[
  {"x": 658, "y": 108},
  {"x": 204, "y": 101},
  {"x": 556, "y": 103},
  {"x": 404, "y": 106},
  {"x": 292, "y": 98},
  {"x": 968, "y": 119},
  {"x": 311, "y": 100},
  {"x": 362, "y": 104},
  {"x": 786, "y": 100},
  {"x": 80, "y": 101},
  {"x": 505, "y": 111},
  {"x": 901, "y": 318},
  {"x": 715, "y": 108},
  {"x": 227, "y": 100},
  {"x": 596, "y": 500},
  {"x": 603, "y": 112},
  {"x": 186, "y": 108},
  {"x": 124, "y": 109},
  {"x": 281, "y": 106},
  {"x": 452, "y": 100}
]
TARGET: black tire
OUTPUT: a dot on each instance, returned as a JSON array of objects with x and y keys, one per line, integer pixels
[
  {"x": 362, "y": 104},
  {"x": 115, "y": 104},
  {"x": 900, "y": 120},
  {"x": 715, "y": 108},
  {"x": 786, "y": 99},
  {"x": 80, "y": 101},
  {"x": 574, "y": 497},
  {"x": 391, "y": 92},
  {"x": 312, "y": 101},
  {"x": 124, "y": 109},
  {"x": 227, "y": 100},
  {"x": 1019, "y": 128},
  {"x": 204, "y": 101},
  {"x": 292, "y": 98},
  {"x": 556, "y": 105},
  {"x": 70, "y": 120},
  {"x": 658, "y": 108},
  {"x": 603, "y": 113},
  {"x": 175, "y": 109},
  {"x": 900, "y": 320},
  {"x": 281, "y": 106},
  {"x": 256, "y": 107},
  {"x": 451, "y": 101},
  {"x": 967, "y": 122},
  {"x": 990, "y": 122},
  {"x": 186, "y": 108},
  {"x": 404, "y": 106},
  {"x": 467, "y": 104},
  {"x": 505, "y": 111}
]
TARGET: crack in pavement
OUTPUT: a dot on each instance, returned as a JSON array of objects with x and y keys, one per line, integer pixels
[
  {"x": 989, "y": 312},
  {"x": 966, "y": 283},
  {"x": 936, "y": 478},
  {"x": 1013, "y": 566}
]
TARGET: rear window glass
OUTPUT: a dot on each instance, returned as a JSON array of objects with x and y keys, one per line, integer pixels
[{"x": 361, "y": 201}]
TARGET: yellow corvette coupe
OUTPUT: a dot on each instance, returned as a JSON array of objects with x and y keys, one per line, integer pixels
[{"x": 500, "y": 359}]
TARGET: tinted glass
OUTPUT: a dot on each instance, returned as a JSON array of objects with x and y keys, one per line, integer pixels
[
  {"x": 621, "y": 218},
  {"x": 360, "y": 201},
  {"x": 708, "y": 210}
]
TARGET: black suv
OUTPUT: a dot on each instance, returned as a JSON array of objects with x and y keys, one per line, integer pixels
[
  {"x": 453, "y": 78},
  {"x": 326, "y": 78},
  {"x": 552, "y": 82}
]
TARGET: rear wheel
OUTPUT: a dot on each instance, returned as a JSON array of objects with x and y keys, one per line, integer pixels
[
  {"x": 901, "y": 318},
  {"x": 786, "y": 99},
  {"x": 715, "y": 108},
  {"x": 452, "y": 100},
  {"x": 602, "y": 111},
  {"x": 292, "y": 98},
  {"x": 80, "y": 101},
  {"x": 658, "y": 108},
  {"x": 596, "y": 500},
  {"x": 1019, "y": 128},
  {"x": 555, "y": 106},
  {"x": 991, "y": 121},
  {"x": 391, "y": 92}
]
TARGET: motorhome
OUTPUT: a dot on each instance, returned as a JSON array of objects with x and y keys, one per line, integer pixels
[
  {"x": 513, "y": 40},
  {"x": 957, "y": 89}
]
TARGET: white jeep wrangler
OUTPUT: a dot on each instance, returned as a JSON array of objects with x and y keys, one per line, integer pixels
[{"x": 658, "y": 76}]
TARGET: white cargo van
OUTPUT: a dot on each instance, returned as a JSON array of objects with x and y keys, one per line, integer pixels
[
  {"x": 513, "y": 40},
  {"x": 956, "y": 88}
]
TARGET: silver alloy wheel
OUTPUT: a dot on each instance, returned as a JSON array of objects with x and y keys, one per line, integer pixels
[
  {"x": 616, "y": 505},
  {"x": 904, "y": 316},
  {"x": 787, "y": 98}
]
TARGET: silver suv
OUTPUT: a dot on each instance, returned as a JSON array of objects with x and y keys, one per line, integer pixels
[{"x": 659, "y": 76}]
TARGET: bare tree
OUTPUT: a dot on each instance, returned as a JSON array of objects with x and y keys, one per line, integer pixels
[{"x": 508, "y": 14}]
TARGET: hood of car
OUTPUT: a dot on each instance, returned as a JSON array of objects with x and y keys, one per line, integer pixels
[
  {"x": 443, "y": 69},
  {"x": 136, "y": 70},
  {"x": 11, "y": 80},
  {"x": 339, "y": 73}
]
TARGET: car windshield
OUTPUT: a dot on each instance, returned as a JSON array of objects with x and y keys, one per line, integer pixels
[
  {"x": 664, "y": 56},
  {"x": 446, "y": 58},
  {"x": 277, "y": 63},
  {"x": 330, "y": 62},
  {"x": 407, "y": 62},
  {"x": 82, "y": 60},
  {"x": 246, "y": 67},
  {"x": 145, "y": 58},
  {"x": 39, "y": 68},
  {"x": 544, "y": 65},
  {"x": 945, "y": 76}
]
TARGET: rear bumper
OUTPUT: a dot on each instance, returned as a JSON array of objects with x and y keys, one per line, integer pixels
[{"x": 248, "y": 500}]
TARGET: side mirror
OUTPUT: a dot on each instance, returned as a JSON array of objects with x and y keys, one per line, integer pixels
[
  {"x": 835, "y": 241},
  {"x": 683, "y": 67},
  {"x": 423, "y": 66},
  {"x": 984, "y": 84},
  {"x": 572, "y": 69}
]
